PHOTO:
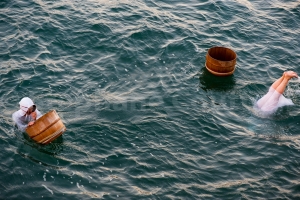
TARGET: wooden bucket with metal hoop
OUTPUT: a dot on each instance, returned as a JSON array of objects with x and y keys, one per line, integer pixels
[
  {"x": 47, "y": 128},
  {"x": 220, "y": 61}
]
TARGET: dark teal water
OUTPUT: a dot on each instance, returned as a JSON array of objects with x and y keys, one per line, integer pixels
[{"x": 144, "y": 118}]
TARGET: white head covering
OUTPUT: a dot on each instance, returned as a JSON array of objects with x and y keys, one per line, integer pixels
[{"x": 25, "y": 103}]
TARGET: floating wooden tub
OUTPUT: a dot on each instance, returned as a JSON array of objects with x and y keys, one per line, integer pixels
[
  {"x": 47, "y": 128},
  {"x": 220, "y": 61}
]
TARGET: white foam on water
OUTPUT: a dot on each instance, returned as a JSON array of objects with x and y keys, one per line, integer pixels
[
  {"x": 44, "y": 176},
  {"x": 295, "y": 80},
  {"x": 47, "y": 188}
]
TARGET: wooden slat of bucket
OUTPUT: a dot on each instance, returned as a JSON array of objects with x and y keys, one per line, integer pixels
[
  {"x": 53, "y": 136},
  {"x": 219, "y": 74},
  {"x": 42, "y": 123},
  {"x": 219, "y": 66},
  {"x": 221, "y": 61},
  {"x": 48, "y": 133},
  {"x": 47, "y": 128}
]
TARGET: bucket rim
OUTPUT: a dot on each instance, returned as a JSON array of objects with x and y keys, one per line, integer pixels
[{"x": 224, "y": 48}]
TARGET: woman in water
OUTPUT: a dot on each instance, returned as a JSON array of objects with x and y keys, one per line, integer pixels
[
  {"x": 27, "y": 114},
  {"x": 274, "y": 98}
]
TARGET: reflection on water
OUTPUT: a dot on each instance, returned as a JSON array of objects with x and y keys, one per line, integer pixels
[
  {"x": 208, "y": 81},
  {"x": 52, "y": 149}
]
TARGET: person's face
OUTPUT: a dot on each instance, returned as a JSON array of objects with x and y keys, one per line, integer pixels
[{"x": 31, "y": 110}]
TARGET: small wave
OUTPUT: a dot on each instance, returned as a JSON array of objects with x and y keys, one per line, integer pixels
[{"x": 47, "y": 188}]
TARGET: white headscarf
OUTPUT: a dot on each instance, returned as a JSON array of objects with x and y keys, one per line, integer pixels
[{"x": 25, "y": 103}]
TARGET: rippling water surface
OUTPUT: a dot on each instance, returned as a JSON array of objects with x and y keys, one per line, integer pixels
[{"x": 144, "y": 118}]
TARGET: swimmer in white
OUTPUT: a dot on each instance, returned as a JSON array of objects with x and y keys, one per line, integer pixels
[
  {"x": 274, "y": 98},
  {"x": 27, "y": 114}
]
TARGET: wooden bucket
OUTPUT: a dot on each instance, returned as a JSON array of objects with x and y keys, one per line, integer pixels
[
  {"x": 220, "y": 61},
  {"x": 47, "y": 128}
]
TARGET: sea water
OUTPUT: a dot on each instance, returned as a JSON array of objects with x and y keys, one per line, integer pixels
[{"x": 144, "y": 118}]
